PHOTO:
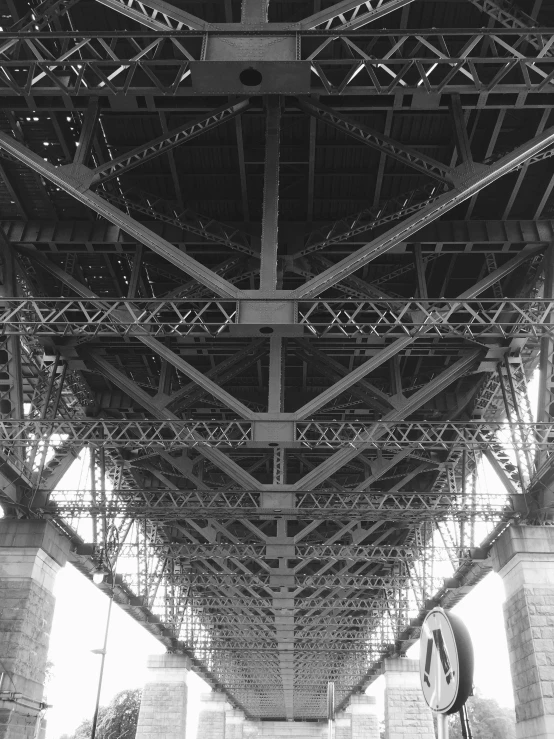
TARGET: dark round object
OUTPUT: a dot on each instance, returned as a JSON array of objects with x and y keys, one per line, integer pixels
[
  {"x": 266, "y": 330},
  {"x": 250, "y": 77},
  {"x": 465, "y": 659},
  {"x": 4, "y": 382},
  {"x": 5, "y": 407}
]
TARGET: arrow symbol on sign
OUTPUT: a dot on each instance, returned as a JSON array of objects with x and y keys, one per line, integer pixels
[
  {"x": 439, "y": 643},
  {"x": 428, "y": 662}
]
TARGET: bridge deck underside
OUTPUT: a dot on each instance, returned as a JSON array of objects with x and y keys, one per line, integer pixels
[{"x": 289, "y": 448}]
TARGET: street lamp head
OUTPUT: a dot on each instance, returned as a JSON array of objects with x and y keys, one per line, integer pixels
[{"x": 98, "y": 575}]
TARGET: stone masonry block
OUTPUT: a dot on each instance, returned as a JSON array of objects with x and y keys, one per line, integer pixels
[
  {"x": 406, "y": 713},
  {"x": 524, "y": 558},
  {"x": 34, "y": 535},
  {"x": 31, "y": 553},
  {"x": 163, "y": 709}
]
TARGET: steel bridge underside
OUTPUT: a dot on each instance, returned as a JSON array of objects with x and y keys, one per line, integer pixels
[{"x": 280, "y": 272}]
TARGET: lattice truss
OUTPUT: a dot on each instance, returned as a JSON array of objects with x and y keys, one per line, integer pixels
[{"x": 277, "y": 275}]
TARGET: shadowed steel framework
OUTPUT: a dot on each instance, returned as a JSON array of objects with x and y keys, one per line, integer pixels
[{"x": 279, "y": 273}]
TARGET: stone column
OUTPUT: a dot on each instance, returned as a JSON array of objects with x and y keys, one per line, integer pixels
[
  {"x": 211, "y": 720},
  {"x": 163, "y": 708},
  {"x": 406, "y": 713},
  {"x": 234, "y": 724},
  {"x": 365, "y": 724},
  {"x": 524, "y": 558},
  {"x": 343, "y": 725},
  {"x": 251, "y": 730},
  {"x": 31, "y": 554}
]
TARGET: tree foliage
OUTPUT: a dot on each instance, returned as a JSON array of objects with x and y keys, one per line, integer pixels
[
  {"x": 487, "y": 719},
  {"x": 118, "y": 720}
]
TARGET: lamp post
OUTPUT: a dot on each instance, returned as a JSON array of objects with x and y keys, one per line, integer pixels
[
  {"x": 107, "y": 567},
  {"x": 331, "y": 709}
]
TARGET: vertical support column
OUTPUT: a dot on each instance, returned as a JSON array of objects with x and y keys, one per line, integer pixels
[
  {"x": 365, "y": 724},
  {"x": 234, "y": 724},
  {"x": 163, "y": 708},
  {"x": 251, "y": 730},
  {"x": 211, "y": 721},
  {"x": 31, "y": 554},
  {"x": 254, "y": 12},
  {"x": 406, "y": 713},
  {"x": 135, "y": 275},
  {"x": 86, "y": 138},
  {"x": 275, "y": 401},
  {"x": 545, "y": 408},
  {"x": 460, "y": 131},
  {"x": 343, "y": 725},
  {"x": 11, "y": 374},
  {"x": 422, "y": 292},
  {"x": 524, "y": 558},
  {"x": 275, "y": 396},
  {"x": 270, "y": 216}
]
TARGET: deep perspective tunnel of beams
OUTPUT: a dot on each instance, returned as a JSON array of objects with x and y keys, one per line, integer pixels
[{"x": 280, "y": 273}]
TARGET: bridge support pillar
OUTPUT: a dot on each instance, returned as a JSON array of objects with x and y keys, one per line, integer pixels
[
  {"x": 31, "y": 554},
  {"x": 251, "y": 730},
  {"x": 406, "y": 713},
  {"x": 163, "y": 708},
  {"x": 343, "y": 725},
  {"x": 364, "y": 721},
  {"x": 211, "y": 720},
  {"x": 524, "y": 558},
  {"x": 234, "y": 724}
]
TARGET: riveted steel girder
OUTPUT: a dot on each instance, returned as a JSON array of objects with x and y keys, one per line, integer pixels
[
  {"x": 440, "y": 205},
  {"x": 408, "y": 156},
  {"x": 351, "y": 14},
  {"x": 77, "y": 183}
]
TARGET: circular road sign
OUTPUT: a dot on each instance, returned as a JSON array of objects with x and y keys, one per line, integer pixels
[{"x": 445, "y": 662}]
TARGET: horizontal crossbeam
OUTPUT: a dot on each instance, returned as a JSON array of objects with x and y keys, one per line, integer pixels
[
  {"x": 478, "y": 319},
  {"x": 171, "y": 434},
  {"x": 99, "y": 235},
  {"x": 99, "y": 63},
  {"x": 410, "y": 509}
]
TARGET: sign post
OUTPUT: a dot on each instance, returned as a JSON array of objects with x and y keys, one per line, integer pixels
[
  {"x": 445, "y": 665},
  {"x": 442, "y": 726}
]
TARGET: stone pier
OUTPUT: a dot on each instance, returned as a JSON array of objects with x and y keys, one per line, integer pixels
[
  {"x": 292, "y": 730},
  {"x": 406, "y": 713},
  {"x": 163, "y": 708},
  {"x": 365, "y": 724},
  {"x": 343, "y": 725},
  {"x": 31, "y": 554},
  {"x": 234, "y": 724},
  {"x": 524, "y": 558},
  {"x": 212, "y": 717}
]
